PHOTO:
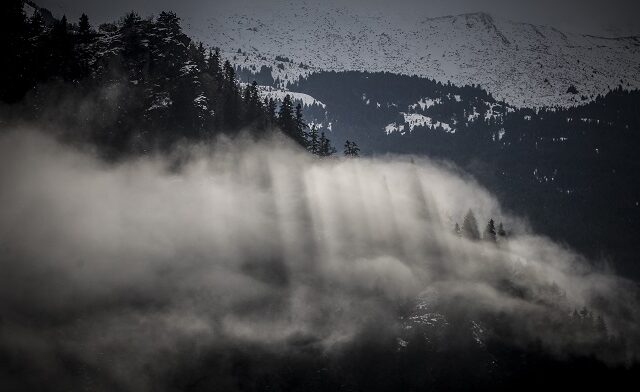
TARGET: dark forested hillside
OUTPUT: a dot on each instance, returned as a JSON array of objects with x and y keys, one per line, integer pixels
[
  {"x": 128, "y": 87},
  {"x": 565, "y": 169},
  {"x": 140, "y": 84},
  {"x": 254, "y": 266}
]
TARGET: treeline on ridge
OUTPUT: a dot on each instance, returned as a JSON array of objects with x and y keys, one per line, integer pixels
[{"x": 132, "y": 86}]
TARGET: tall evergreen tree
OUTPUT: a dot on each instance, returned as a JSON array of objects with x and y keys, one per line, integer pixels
[
  {"x": 351, "y": 149},
  {"x": 490, "y": 232},
  {"x": 134, "y": 52},
  {"x": 300, "y": 135},
  {"x": 197, "y": 54},
  {"x": 62, "y": 59},
  {"x": 314, "y": 142},
  {"x": 229, "y": 75},
  {"x": 271, "y": 110},
  {"x": 84, "y": 28},
  {"x": 38, "y": 54},
  {"x": 213, "y": 64},
  {"x": 252, "y": 102},
  {"x": 286, "y": 118},
  {"x": 230, "y": 96},
  {"x": 501, "y": 232},
  {"x": 326, "y": 149},
  {"x": 83, "y": 51},
  {"x": 470, "y": 227}
]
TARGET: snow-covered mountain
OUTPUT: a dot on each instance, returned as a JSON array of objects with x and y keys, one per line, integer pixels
[{"x": 520, "y": 63}]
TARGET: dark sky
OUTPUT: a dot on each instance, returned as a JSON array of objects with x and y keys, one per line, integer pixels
[{"x": 590, "y": 16}]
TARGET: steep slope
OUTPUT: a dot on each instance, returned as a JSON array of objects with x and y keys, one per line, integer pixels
[
  {"x": 522, "y": 64},
  {"x": 556, "y": 166}
]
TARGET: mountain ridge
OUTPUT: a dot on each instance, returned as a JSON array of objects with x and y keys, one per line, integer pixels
[{"x": 523, "y": 64}]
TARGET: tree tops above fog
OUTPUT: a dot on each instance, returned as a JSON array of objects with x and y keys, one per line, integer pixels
[
  {"x": 142, "y": 83},
  {"x": 471, "y": 231}
]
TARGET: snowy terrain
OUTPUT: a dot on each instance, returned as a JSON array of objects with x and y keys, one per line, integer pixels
[
  {"x": 278, "y": 94},
  {"x": 417, "y": 120},
  {"x": 522, "y": 64}
]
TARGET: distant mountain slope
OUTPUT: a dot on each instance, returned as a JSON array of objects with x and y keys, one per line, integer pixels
[
  {"x": 522, "y": 64},
  {"x": 556, "y": 166}
]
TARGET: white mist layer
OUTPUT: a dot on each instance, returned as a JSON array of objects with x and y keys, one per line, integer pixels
[{"x": 259, "y": 243}]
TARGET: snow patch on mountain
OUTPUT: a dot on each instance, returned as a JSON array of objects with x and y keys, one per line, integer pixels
[
  {"x": 520, "y": 63},
  {"x": 278, "y": 94},
  {"x": 412, "y": 120},
  {"x": 394, "y": 127},
  {"x": 426, "y": 103}
]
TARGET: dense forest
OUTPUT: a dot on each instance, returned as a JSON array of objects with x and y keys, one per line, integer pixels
[{"x": 132, "y": 86}]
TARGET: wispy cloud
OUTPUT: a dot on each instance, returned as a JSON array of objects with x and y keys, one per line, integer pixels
[{"x": 119, "y": 265}]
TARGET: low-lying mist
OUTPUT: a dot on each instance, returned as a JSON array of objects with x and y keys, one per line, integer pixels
[{"x": 130, "y": 267}]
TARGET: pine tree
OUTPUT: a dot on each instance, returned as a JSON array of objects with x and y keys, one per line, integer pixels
[
  {"x": 501, "y": 232},
  {"x": 490, "y": 232},
  {"x": 470, "y": 227},
  {"x": 252, "y": 102},
  {"x": 300, "y": 135},
  {"x": 134, "y": 52},
  {"x": 201, "y": 57},
  {"x": 230, "y": 96},
  {"x": 314, "y": 143},
  {"x": 84, "y": 52},
  {"x": 62, "y": 50},
  {"x": 271, "y": 108},
  {"x": 246, "y": 95},
  {"x": 198, "y": 56},
  {"x": 229, "y": 75},
  {"x": 84, "y": 28},
  {"x": 457, "y": 231},
  {"x": 170, "y": 47},
  {"x": 213, "y": 64},
  {"x": 326, "y": 149},
  {"x": 180, "y": 107},
  {"x": 38, "y": 53},
  {"x": 351, "y": 149},
  {"x": 286, "y": 119}
]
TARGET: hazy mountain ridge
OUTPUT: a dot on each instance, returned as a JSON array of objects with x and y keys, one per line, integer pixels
[
  {"x": 246, "y": 262},
  {"x": 520, "y": 63}
]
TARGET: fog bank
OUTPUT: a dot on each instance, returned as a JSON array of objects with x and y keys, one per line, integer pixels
[{"x": 125, "y": 267}]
